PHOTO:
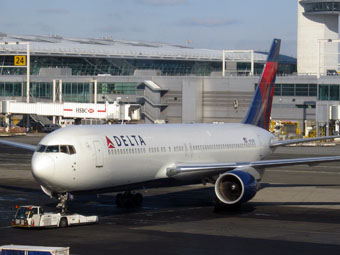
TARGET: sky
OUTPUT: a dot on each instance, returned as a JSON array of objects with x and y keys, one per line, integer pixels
[{"x": 210, "y": 24}]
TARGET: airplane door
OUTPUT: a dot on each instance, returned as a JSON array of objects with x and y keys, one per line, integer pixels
[
  {"x": 99, "y": 154},
  {"x": 188, "y": 150}
]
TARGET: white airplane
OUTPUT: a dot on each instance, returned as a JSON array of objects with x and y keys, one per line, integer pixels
[{"x": 115, "y": 158}]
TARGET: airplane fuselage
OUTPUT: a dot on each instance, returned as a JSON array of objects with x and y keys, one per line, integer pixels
[{"x": 109, "y": 156}]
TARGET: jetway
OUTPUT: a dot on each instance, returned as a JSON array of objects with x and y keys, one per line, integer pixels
[{"x": 110, "y": 112}]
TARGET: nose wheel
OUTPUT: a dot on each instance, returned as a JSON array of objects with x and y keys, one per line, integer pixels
[
  {"x": 63, "y": 198},
  {"x": 129, "y": 200}
]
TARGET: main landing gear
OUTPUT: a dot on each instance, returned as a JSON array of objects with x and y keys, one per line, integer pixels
[{"x": 129, "y": 200}]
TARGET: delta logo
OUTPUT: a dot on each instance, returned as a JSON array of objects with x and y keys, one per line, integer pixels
[
  {"x": 125, "y": 141},
  {"x": 109, "y": 143}
]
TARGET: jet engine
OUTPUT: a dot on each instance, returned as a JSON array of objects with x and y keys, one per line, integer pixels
[{"x": 235, "y": 187}]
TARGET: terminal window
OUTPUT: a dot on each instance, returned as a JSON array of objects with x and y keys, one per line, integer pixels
[
  {"x": 329, "y": 92},
  {"x": 297, "y": 90}
]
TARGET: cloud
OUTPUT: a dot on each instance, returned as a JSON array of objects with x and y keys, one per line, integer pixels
[
  {"x": 197, "y": 22},
  {"x": 162, "y": 2}
]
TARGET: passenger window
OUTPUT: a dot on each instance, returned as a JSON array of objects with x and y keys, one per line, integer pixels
[
  {"x": 64, "y": 149},
  {"x": 71, "y": 149},
  {"x": 52, "y": 148}
]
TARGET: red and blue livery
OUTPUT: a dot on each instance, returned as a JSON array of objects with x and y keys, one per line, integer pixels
[{"x": 260, "y": 108}]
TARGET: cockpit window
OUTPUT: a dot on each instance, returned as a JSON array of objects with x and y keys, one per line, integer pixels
[
  {"x": 64, "y": 149},
  {"x": 52, "y": 148},
  {"x": 72, "y": 149},
  {"x": 41, "y": 148},
  {"x": 67, "y": 149}
]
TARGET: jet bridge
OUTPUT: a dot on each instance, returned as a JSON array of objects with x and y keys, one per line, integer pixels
[{"x": 116, "y": 111}]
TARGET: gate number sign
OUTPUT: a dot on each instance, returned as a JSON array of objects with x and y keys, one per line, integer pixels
[{"x": 19, "y": 60}]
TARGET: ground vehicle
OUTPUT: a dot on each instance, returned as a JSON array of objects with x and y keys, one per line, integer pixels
[
  {"x": 50, "y": 127},
  {"x": 25, "y": 249},
  {"x": 30, "y": 216}
]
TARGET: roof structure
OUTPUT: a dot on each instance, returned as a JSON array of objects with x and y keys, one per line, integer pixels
[{"x": 55, "y": 45}]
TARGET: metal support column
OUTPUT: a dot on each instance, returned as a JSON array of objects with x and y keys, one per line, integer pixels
[
  {"x": 60, "y": 91},
  {"x": 53, "y": 96},
  {"x": 95, "y": 90},
  {"x": 223, "y": 63},
  {"x": 251, "y": 63},
  {"x": 7, "y": 123},
  {"x": 28, "y": 74}
]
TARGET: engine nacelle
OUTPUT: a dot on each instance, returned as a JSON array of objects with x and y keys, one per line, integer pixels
[{"x": 235, "y": 187}]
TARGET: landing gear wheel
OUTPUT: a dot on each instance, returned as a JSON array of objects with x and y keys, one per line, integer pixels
[
  {"x": 63, "y": 198},
  {"x": 63, "y": 223},
  {"x": 62, "y": 202}
]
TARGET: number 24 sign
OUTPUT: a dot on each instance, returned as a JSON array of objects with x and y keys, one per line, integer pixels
[{"x": 19, "y": 60}]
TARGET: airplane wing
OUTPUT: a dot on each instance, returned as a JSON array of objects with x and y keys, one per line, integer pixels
[
  {"x": 217, "y": 168},
  {"x": 305, "y": 140},
  {"x": 19, "y": 145}
]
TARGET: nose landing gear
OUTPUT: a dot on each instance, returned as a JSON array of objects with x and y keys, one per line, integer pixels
[
  {"x": 129, "y": 200},
  {"x": 63, "y": 198}
]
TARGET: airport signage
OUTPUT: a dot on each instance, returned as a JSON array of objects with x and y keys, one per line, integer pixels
[
  {"x": 84, "y": 110},
  {"x": 19, "y": 60}
]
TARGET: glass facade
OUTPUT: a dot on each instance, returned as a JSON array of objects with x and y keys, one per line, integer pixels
[
  {"x": 72, "y": 92},
  {"x": 121, "y": 66},
  {"x": 113, "y": 66},
  {"x": 329, "y": 92},
  {"x": 76, "y": 92},
  {"x": 244, "y": 68},
  {"x": 283, "y": 68},
  {"x": 330, "y": 6},
  {"x": 10, "y": 89},
  {"x": 303, "y": 90},
  {"x": 40, "y": 90},
  {"x": 287, "y": 89},
  {"x": 117, "y": 88}
]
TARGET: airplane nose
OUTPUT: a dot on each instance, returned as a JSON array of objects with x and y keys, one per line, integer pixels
[{"x": 42, "y": 168}]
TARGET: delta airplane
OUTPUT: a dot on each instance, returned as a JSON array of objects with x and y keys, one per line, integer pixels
[{"x": 124, "y": 158}]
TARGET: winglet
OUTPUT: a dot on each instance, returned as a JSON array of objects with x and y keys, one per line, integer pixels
[{"x": 260, "y": 108}]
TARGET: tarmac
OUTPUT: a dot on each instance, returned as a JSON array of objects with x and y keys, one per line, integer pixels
[{"x": 297, "y": 212}]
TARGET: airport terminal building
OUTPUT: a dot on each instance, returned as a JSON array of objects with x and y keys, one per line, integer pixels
[{"x": 172, "y": 83}]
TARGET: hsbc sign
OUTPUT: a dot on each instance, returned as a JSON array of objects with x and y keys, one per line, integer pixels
[
  {"x": 84, "y": 110},
  {"x": 80, "y": 110}
]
